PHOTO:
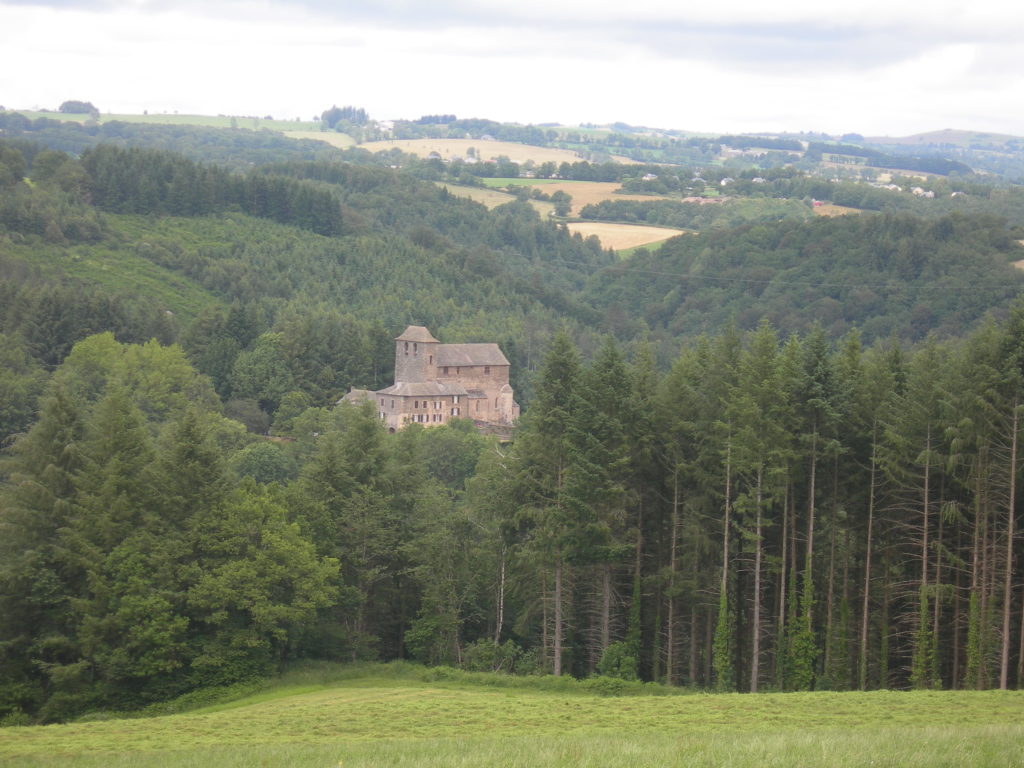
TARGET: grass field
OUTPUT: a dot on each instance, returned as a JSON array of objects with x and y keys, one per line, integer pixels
[
  {"x": 124, "y": 269},
  {"x": 621, "y": 237},
  {"x": 409, "y": 717},
  {"x": 500, "y": 183},
  {"x": 492, "y": 198},
  {"x": 339, "y": 140},
  {"x": 947, "y": 136},
  {"x": 834, "y": 210},
  {"x": 449, "y": 149},
  {"x": 582, "y": 192},
  {"x": 210, "y": 121}
]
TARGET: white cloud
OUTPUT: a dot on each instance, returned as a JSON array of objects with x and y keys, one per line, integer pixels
[{"x": 731, "y": 65}]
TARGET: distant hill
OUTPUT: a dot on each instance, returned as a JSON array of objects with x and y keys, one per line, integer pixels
[{"x": 950, "y": 137}]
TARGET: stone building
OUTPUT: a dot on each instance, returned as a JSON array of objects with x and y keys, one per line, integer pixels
[{"x": 436, "y": 382}]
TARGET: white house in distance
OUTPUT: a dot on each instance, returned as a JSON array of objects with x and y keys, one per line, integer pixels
[{"x": 437, "y": 382}]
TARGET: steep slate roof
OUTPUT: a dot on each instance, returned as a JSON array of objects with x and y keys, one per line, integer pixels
[
  {"x": 416, "y": 333},
  {"x": 422, "y": 389},
  {"x": 357, "y": 395},
  {"x": 470, "y": 354}
]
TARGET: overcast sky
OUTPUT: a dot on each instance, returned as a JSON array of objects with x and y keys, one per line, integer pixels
[{"x": 877, "y": 67}]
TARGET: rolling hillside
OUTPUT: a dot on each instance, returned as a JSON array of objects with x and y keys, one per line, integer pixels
[{"x": 404, "y": 716}]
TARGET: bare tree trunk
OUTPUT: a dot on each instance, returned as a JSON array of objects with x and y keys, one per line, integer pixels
[
  {"x": 557, "y": 669},
  {"x": 693, "y": 644},
  {"x": 809, "y": 572},
  {"x": 725, "y": 534},
  {"x": 500, "y": 619},
  {"x": 709, "y": 636},
  {"x": 670, "y": 663},
  {"x": 1004, "y": 666},
  {"x": 755, "y": 651},
  {"x": 865, "y": 607},
  {"x": 780, "y": 624},
  {"x": 937, "y": 604},
  {"x": 883, "y": 643},
  {"x": 830, "y": 597},
  {"x": 544, "y": 639},
  {"x": 924, "y": 510},
  {"x": 606, "y": 606},
  {"x": 1020, "y": 654},
  {"x": 955, "y": 682}
]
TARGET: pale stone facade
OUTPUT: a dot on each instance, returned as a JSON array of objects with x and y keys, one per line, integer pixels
[{"x": 437, "y": 382}]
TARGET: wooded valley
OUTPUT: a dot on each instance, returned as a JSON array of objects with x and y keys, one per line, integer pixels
[{"x": 779, "y": 453}]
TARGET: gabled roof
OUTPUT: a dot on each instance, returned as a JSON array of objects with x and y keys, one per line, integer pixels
[
  {"x": 422, "y": 389},
  {"x": 357, "y": 395},
  {"x": 470, "y": 354},
  {"x": 416, "y": 333}
]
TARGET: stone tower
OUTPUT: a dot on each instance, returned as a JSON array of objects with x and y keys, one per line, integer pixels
[{"x": 415, "y": 355}]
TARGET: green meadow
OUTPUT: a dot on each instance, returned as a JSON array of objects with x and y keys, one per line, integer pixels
[
  {"x": 502, "y": 183},
  {"x": 208, "y": 121},
  {"x": 397, "y": 715}
]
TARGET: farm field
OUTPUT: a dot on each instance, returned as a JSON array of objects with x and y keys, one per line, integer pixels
[
  {"x": 621, "y": 237},
  {"x": 335, "y": 139},
  {"x": 492, "y": 198},
  {"x": 424, "y": 719},
  {"x": 209, "y": 121},
  {"x": 450, "y": 149},
  {"x": 946, "y": 136},
  {"x": 583, "y": 192},
  {"x": 834, "y": 210}
]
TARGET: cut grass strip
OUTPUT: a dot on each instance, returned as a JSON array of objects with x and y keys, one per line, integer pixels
[{"x": 379, "y": 710}]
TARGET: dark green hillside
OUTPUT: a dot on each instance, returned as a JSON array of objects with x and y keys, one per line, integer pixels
[
  {"x": 887, "y": 274},
  {"x": 163, "y": 240},
  {"x": 236, "y": 148}
]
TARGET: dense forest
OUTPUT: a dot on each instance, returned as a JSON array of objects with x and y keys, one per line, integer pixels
[
  {"x": 769, "y": 514},
  {"x": 776, "y": 454}
]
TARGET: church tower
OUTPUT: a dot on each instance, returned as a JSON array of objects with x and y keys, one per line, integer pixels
[{"x": 415, "y": 355}]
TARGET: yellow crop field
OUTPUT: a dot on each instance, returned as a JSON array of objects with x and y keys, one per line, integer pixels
[
  {"x": 585, "y": 192},
  {"x": 834, "y": 210},
  {"x": 449, "y": 149},
  {"x": 339, "y": 140},
  {"x": 619, "y": 237},
  {"x": 492, "y": 198}
]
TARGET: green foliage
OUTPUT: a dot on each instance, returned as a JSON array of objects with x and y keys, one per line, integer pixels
[
  {"x": 78, "y": 108},
  {"x": 724, "y": 646},
  {"x": 21, "y": 382},
  {"x": 619, "y": 661},
  {"x": 888, "y": 275},
  {"x": 487, "y": 656}
]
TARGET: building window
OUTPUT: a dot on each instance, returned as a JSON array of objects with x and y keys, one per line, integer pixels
[
  {"x": 455, "y": 399},
  {"x": 392, "y": 403},
  {"x": 415, "y": 403},
  {"x": 431, "y": 359},
  {"x": 487, "y": 370},
  {"x": 382, "y": 403},
  {"x": 407, "y": 347},
  {"x": 446, "y": 370},
  {"x": 415, "y": 348},
  {"x": 478, "y": 406},
  {"x": 455, "y": 411}
]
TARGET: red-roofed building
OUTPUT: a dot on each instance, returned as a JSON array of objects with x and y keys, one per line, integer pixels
[{"x": 435, "y": 382}]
